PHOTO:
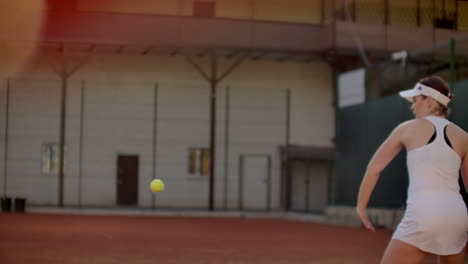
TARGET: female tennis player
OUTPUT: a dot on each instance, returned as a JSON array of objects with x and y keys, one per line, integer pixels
[{"x": 436, "y": 217}]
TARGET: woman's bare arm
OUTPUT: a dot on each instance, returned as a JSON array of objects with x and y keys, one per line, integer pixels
[{"x": 382, "y": 157}]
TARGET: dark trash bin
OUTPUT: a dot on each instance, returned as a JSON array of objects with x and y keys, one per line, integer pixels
[
  {"x": 6, "y": 204},
  {"x": 20, "y": 204}
]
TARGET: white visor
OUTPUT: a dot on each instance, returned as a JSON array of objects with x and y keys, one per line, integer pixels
[{"x": 427, "y": 91}]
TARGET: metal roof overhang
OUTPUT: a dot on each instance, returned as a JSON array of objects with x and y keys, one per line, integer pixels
[
  {"x": 307, "y": 152},
  {"x": 152, "y": 34}
]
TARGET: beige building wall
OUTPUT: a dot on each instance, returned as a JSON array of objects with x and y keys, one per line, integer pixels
[
  {"x": 258, "y": 123},
  {"x": 311, "y": 85}
]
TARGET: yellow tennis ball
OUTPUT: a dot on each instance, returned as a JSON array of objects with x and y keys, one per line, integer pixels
[{"x": 157, "y": 185}]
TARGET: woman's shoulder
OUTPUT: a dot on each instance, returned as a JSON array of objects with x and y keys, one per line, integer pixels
[
  {"x": 408, "y": 129},
  {"x": 459, "y": 139},
  {"x": 458, "y": 131},
  {"x": 413, "y": 123},
  {"x": 423, "y": 123}
]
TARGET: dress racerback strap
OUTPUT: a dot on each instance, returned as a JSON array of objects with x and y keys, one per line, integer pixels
[{"x": 440, "y": 124}]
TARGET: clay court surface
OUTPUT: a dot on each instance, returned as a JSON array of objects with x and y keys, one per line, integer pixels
[{"x": 35, "y": 238}]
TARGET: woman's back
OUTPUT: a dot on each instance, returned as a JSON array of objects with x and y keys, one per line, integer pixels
[
  {"x": 433, "y": 164},
  {"x": 436, "y": 219},
  {"x": 418, "y": 132}
]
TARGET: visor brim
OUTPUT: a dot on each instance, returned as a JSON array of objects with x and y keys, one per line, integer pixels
[{"x": 409, "y": 94}]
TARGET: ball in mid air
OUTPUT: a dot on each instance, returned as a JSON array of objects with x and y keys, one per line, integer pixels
[{"x": 157, "y": 185}]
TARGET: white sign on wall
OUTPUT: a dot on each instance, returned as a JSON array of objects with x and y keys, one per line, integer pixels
[{"x": 352, "y": 88}]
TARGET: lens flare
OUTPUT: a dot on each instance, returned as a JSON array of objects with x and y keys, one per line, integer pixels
[{"x": 21, "y": 24}]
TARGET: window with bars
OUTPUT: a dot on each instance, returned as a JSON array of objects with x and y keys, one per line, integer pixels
[
  {"x": 50, "y": 158},
  {"x": 199, "y": 161}
]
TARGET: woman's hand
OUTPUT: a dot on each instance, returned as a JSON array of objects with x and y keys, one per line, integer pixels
[{"x": 362, "y": 213}]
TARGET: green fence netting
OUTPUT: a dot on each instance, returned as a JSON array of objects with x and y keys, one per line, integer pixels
[{"x": 362, "y": 128}]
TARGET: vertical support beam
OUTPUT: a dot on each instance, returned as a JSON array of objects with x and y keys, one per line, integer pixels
[
  {"x": 418, "y": 13},
  {"x": 179, "y": 23},
  {"x": 286, "y": 151},
  {"x": 213, "y": 80},
  {"x": 433, "y": 23},
  {"x": 155, "y": 139},
  {"x": 405, "y": 73},
  {"x": 63, "y": 75},
  {"x": 213, "y": 84},
  {"x": 240, "y": 186},
  {"x": 80, "y": 154},
  {"x": 334, "y": 14},
  {"x": 343, "y": 10},
  {"x": 64, "y": 72},
  {"x": 62, "y": 126},
  {"x": 332, "y": 181},
  {"x": 307, "y": 187},
  {"x": 63, "y": 113},
  {"x": 453, "y": 70},
  {"x": 268, "y": 182},
  {"x": 386, "y": 13},
  {"x": 226, "y": 144},
  {"x": 322, "y": 12},
  {"x": 386, "y": 21},
  {"x": 5, "y": 150},
  {"x": 444, "y": 13},
  {"x": 252, "y": 24}
]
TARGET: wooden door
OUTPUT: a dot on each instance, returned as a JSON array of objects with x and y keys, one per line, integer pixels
[{"x": 127, "y": 180}]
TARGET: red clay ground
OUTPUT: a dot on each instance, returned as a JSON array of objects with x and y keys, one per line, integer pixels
[{"x": 33, "y": 238}]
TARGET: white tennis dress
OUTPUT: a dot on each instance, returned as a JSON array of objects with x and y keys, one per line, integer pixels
[{"x": 436, "y": 217}]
